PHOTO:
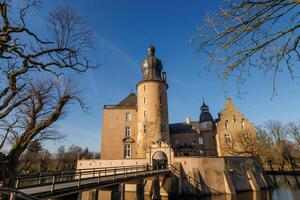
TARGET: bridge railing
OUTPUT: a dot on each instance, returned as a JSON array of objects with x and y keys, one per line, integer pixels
[{"x": 101, "y": 174}]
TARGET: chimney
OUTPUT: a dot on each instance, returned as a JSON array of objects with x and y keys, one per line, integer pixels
[{"x": 188, "y": 120}]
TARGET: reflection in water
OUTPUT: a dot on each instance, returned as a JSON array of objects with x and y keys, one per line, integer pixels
[{"x": 283, "y": 193}]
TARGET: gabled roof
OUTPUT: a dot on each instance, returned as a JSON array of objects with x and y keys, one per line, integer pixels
[{"x": 130, "y": 100}]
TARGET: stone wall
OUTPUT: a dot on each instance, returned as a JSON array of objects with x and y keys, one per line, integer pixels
[
  {"x": 152, "y": 115},
  {"x": 113, "y": 132},
  {"x": 219, "y": 175},
  {"x": 233, "y": 124}
]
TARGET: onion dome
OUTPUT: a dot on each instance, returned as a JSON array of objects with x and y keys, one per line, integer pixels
[{"x": 151, "y": 67}]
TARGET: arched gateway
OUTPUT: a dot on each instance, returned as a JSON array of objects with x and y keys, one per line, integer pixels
[{"x": 160, "y": 160}]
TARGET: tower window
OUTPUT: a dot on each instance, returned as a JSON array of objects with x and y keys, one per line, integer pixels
[
  {"x": 144, "y": 88},
  {"x": 144, "y": 100},
  {"x": 127, "y": 151},
  {"x": 227, "y": 137},
  {"x": 145, "y": 129},
  {"x": 200, "y": 140},
  {"x": 127, "y": 131},
  {"x": 128, "y": 117},
  {"x": 145, "y": 114}
]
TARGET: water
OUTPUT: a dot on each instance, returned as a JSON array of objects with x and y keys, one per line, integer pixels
[{"x": 282, "y": 193}]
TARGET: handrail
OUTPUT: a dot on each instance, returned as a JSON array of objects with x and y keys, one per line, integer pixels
[
  {"x": 74, "y": 171},
  {"x": 53, "y": 179},
  {"x": 45, "y": 174},
  {"x": 19, "y": 194}
]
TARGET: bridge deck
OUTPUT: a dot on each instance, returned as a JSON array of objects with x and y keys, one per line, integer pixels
[{"x": 59, "y": 184}]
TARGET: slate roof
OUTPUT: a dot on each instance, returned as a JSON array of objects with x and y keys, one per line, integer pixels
[
  {"x": 130, "y": 100},
  {"x": 180, "y": 128}
]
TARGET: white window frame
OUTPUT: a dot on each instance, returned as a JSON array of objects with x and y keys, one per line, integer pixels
[
  {"x": 127, "y": 131},
  {"x": 127, "y": 150},
  {"x": 200, "y": 140},
  {"x": 128, "y": 117}
]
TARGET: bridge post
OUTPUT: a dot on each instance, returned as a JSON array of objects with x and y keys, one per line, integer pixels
[
  {"x": 118, "y": 192},
  {"x": 140, "y": 190},
  {"x": 156, "y": 188}
]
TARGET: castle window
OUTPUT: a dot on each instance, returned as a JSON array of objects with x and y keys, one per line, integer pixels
[
  {"x": 144, "y": 88},
  {"x": 193, "y": 141},
  {"x": 145, "y": 129},
  {"x": 243, "y": 123},
  {"x": 226, "y": 124},
  {"x": 246, "y": 136},
  {"x": 200, "y": 140},
  {"x": 127, "y": 131},
  {"x": 227, "y": 137},
  {"x": 201, "y": 152},
  {"x": 233, "y": 117},
  {"x": 145, "y": 114},
  {"x": 127, "y": 151},
  {"x": 144, "y": 100},
  {"x": 128, "y": 117}
]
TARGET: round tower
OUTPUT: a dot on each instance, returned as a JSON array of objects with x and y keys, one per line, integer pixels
[{"x": 152, "y": 117}]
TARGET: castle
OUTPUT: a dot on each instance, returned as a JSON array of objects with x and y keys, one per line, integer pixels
[
  {"x": 140, "y": 120},
  {"x": 208, "y": 155}
]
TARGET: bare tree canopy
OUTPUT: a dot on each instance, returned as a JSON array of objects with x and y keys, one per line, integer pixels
[
  {"x": 249, "y": 35},
  {"x": 30, "y": 105}
]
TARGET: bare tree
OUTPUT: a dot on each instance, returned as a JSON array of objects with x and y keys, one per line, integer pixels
[
  {"x": 294, "y": 131},
  {"x": 29, "y": 107},
  {"x": 243, "y": 143},
  {"x": 251, "y": 35}
]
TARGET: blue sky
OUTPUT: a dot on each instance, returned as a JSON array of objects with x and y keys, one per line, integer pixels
[{"x": 123, "y": 30}]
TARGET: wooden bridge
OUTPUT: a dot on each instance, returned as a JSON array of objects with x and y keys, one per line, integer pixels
[{"x": 57, "y": 184}]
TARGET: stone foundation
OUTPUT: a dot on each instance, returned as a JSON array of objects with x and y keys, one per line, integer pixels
[{"x": 192, "y": 176}]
